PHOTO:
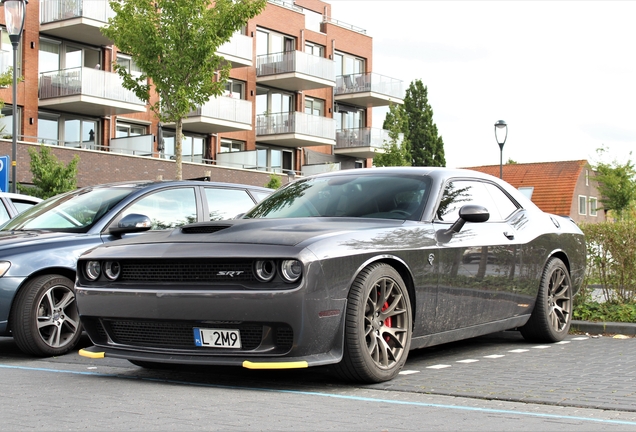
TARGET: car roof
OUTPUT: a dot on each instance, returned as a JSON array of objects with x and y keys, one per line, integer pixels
[
  {"x": 20, "y": 196},
  {"x": 142, "y": 184}
]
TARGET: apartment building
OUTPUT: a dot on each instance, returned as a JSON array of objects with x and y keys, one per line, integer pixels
[{"x": 299, "y": 99}]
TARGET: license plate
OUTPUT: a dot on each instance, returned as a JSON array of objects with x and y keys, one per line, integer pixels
[{"x": 217, "y": 338}]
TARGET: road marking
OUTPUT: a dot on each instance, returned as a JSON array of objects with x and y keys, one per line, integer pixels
[
  {"x": 518, "y": 350},
  {"x": 494, "y": 356},
  {"x": 580, "y": 338},
  {"x": 439, "y": 366},
  {"x": 467, "y": 361},
  {"x": 562, "y": 343},
  {"x": 409, "y": 372},
  {"x": 333, "y": 395},
  {"x": 541, "y": 347}
]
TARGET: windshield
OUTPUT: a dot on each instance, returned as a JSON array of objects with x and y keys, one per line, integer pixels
[
  {"x": 369, "y": 196},
  {"x": 73, "y": 212}
]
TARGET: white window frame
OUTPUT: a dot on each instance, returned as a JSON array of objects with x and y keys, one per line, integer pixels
[
  {"x": 582, "y": 205},
  {"x": 593, "y": 203}
]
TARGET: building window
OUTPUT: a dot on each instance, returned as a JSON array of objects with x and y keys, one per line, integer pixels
[
  {"x": 6, "y": 122},
  {"x": 230, "y": 146},
  {"x": 269, "y": 42},
  {"x": 587, "y": 177},
  {"x": 593, "y": 206},
  {"x": 275, "y": 160},
  {"x": 129, "y": 129},
  {"x": 130, "y": 65},
  {"x": 6, "y": 52},
  {"x": 314, "y": 106},
  {"x": 269, "y": 101},
  {"x": 191, "y": 147},
  {"x": 314, "y": 49},
  {"x": 346, "y": 64},
  {"x": 582, "y": 204},
  {"x": 234, "y": 89}
]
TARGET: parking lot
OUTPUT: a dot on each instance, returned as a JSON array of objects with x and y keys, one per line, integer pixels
[{"x": 496, "y": 382}]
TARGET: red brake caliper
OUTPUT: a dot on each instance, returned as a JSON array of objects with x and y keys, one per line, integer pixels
[{"x": 387, "y": 322}]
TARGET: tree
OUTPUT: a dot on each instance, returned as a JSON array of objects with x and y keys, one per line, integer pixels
[
  {"x": 616, "y": 184},
  {"x": 427, "y": 147},
  {"x": 274, "y": 181},
  {"x": 6, "y": 80},
  {"x": 396, "y": 153},
  {"x": 174, "y": 43},
  {"x": 50, "y": 176}
]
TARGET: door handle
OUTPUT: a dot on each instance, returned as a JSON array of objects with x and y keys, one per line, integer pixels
[{"x": 509, "y": 235}]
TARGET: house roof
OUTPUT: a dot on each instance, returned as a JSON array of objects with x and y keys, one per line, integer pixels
[{"x": 553, "y": 182}]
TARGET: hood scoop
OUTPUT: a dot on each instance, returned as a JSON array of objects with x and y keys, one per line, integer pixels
[{"x": 203, "y": 229}]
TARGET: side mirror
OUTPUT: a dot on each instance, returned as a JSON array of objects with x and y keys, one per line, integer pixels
[
  {"x": 131, "y": 223},
  {"x": 468, "y": 213}
]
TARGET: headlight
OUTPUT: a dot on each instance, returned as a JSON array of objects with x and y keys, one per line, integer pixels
[
  {"x": 4, "y": 267},
  {"x": 93, "y": 269},
  {"x": 112, "y": 269},
  {"x": 291, "y": 270},
  {"x": 265, "y": 270}
]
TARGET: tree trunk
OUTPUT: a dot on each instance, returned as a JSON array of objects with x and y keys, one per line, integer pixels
[{"x": 178, "y": 141}]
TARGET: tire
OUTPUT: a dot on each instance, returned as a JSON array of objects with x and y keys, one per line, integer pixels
[
  {"x": 552, "y": 315},
  {"x": 378, "y": 326},
  {"x": 44, "y": 317}
]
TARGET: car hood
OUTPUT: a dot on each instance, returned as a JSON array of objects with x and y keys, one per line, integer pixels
[
  {"x": 11, "y": 239},
  {"x": 282, "y": 232}
]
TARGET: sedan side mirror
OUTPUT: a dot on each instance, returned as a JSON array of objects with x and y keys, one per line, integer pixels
[
  {"x": 131, "y": 223},
  {"x": 468, "y": 213}
]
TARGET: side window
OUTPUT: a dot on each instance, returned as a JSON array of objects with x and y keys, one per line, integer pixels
[
  {"x": 168, "y": 208},
  {"x": 227, "y": 203},
  {"x": 505, "y": 206},
  {"x": 21, "y": 205},
  {"x": 4, "y": 214},
  {"x": 461, "y": 192}
]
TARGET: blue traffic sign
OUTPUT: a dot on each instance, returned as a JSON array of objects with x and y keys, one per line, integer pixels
[{"x": 5, "y": 163}]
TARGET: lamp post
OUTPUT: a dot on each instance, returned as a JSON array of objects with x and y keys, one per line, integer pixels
[
  {"x": 501, "y": 133},
  {"x": 14, "y": 19},
  {"x": 291, "y": 175}
]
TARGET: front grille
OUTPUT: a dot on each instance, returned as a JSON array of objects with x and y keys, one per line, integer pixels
[
  {"x": 180, "y": 335},
  {"x": 186, "y": 271}
]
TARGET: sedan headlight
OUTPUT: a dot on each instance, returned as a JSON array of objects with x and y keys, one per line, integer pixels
[
  {"x": 265, "y": 270},
  {"x": 112, "y": 269},
  {"x": 93, "y": 269},
  {"x": 4, "y": 267},
  {"x": 291, "y": 270}
]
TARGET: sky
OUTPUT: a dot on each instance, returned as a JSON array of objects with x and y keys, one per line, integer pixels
[{"x": 561, "y": 74}]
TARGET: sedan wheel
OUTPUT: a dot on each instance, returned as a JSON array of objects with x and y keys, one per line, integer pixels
[
  {"x": 378, "y": 326},
  {"x": 45, "y": 321},
  {"x": 552, "y": 315}
]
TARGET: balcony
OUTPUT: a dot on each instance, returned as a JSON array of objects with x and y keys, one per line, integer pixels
[
  {"x": 295, "y": 129},
  {"x": 221, "y": 114},
  {"x": 87, "y": 91},
  {"x": 238, "y": 50},
  {"x": 362, "y": 142},
  {"x": 77, "y": 20},
  {"x": 295, "y": 71},
  {"x": 368, "y": 90}
]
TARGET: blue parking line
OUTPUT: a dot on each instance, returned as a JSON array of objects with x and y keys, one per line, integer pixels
[{"x": 332, "y": 395}]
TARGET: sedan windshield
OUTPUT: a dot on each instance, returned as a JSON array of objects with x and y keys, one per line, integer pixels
[
  {"x": 75, "y": 211},
  {"x": 369, "y": 196}
]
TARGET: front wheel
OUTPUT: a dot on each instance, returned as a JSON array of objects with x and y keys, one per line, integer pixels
[
  {"x": 378, "y": 326},
  {"x": 552, "y": 315},
  {"x": 44, "y": 317}
]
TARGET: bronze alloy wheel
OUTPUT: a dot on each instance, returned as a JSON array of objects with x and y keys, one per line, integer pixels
[{"x": 378, "y": 326}]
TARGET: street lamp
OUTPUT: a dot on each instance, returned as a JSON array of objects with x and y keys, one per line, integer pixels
[
  {"x": 291, "y": 175},
  {"x": 14, "y": 19},
  {"x": 501, "y": 133}
]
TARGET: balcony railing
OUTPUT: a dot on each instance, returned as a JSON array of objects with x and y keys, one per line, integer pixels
[
  {"x": 57, "y": 10},
  {"x": 369, "y": 82},
  {"x": 289, "y": 4},
  {"x": 295, "y": 61},
  {"x": 225, "y": 108},
  {"x": 85, "y": 81},
  {"x": 342, "y": 24},
  {"x": 237, "y": 50},
  {"x": 296, "y": 123},
  {"x": 363, "y": 137}
]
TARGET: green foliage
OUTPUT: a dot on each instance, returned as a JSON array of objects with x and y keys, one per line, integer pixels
[
  {"x": 611, "y": 252},
  {"x": 50, "y": 176},
  {"x": 427, "y": 147},
  {"x": 174, "y": 43},
  {"x": 274, "y": 181},
  {"x": 617, "y": 185},
  {"x": 396, "y": 152},
  {"x": 6, "y": 79},
  {"x": 605, "y": 311}
]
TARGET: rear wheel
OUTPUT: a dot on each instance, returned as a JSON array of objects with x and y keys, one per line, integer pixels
[
  {"x": 378, "y": 326},
  {"x": 552, "y": 315},
  {"x": 44, "y": 317}
]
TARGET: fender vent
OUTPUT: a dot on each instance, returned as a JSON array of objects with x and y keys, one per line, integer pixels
[{"x": 203, "y": 229}]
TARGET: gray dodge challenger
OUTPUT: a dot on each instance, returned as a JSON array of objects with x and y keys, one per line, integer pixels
[{"x": 351, "y": 269}]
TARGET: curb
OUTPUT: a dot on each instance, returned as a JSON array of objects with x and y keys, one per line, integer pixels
[{"x": 604, "y": 327}]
